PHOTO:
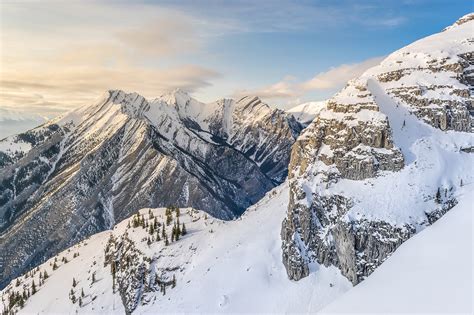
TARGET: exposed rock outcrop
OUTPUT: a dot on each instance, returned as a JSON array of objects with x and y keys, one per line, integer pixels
[{"x": 349, "y": 202}]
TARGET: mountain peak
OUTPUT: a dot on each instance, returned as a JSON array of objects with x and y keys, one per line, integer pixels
[{"x": 464, "y": 19}]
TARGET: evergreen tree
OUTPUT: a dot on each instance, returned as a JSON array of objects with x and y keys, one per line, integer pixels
[
  {"x": 173, "y": 283},
  {"x": 183, "y": 230},
  {"x": 113, "y": 269},
  {"x": 177, "y": 226},
  {"x": 21, "y": 302},
  {"x": 45, "y": 275},
  {"x": 158, "y": 236},
  {"x": 17, "y": 284},
  {"x": 74, "y": 282},
  {"x": 80, "y": 302},
  {"x": 438, "y": 196},
  {"x": 166, "y": 240},
  {"x": 177, "y": 212},
  {"x": 33, "y": 287},
  {"x": 93, "y": 277},
  {"x": 82, "y": 292},
  {"x": 55, "y": 266},
  {"x": 136, "y": 221}
]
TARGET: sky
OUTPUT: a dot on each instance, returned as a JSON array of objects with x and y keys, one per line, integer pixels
[{"x": 57, "y": 55}]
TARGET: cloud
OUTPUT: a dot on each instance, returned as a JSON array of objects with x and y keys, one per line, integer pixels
[
  {"x": 290, "y": 90},
  {"x": 58, "y": 55},
  {"x": 336, "y": 77},
  {"x": 62, "y": 56},
  {"x": 167, "y": 35},
  {"x": 64, "y": 88},
  {"x": 280, "y": 90},
  {"x": 385, "y": 22}
]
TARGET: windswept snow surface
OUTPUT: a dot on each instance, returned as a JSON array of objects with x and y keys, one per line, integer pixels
[
  {"x": 229, "y": 267},
  {"x": 306, "y": 112},
  {"x": 430, "y": 273}
]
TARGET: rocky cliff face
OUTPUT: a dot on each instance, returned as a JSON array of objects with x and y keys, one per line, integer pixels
[
  {"x": 369, "y": 172},
  {"x": 79, "y": 174}
]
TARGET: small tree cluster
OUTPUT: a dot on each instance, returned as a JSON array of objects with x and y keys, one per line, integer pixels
[
  {"x": 16, "y": 299},
  {"x": 138, "y": 220}
]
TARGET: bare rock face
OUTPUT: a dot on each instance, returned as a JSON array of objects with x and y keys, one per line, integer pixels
[
  {"x": 79, "y": 174},
  {"x": 350, "y": 141},
  {"x": 434, "y": 77},
  {"x": 350, "y": 148},
  {"x": 444, "y": 106}
]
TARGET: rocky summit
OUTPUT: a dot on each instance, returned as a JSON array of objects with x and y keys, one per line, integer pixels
[{"x": 383, "y": 131}]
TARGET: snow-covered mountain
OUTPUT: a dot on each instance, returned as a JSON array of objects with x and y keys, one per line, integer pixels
[
  {"x": 386, "y": 159},
  {"x": 79, "y": 174},
  {"x": 305, "y": 113}
]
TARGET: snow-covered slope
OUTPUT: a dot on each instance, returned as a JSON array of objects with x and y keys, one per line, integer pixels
[
  {"x": 218, "y": 266},
  {"x": 430, "y": 273},
  {"x": 305, "y": 113},
  {"x": 80, "y": 173},
  {"x": 386, "y": 158}
]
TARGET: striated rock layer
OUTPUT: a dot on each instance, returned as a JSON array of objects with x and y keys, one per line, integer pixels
[{"x": 372, "y": 169}]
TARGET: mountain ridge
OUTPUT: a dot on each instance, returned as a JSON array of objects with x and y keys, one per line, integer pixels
[{"x": 103, "y": 162}]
